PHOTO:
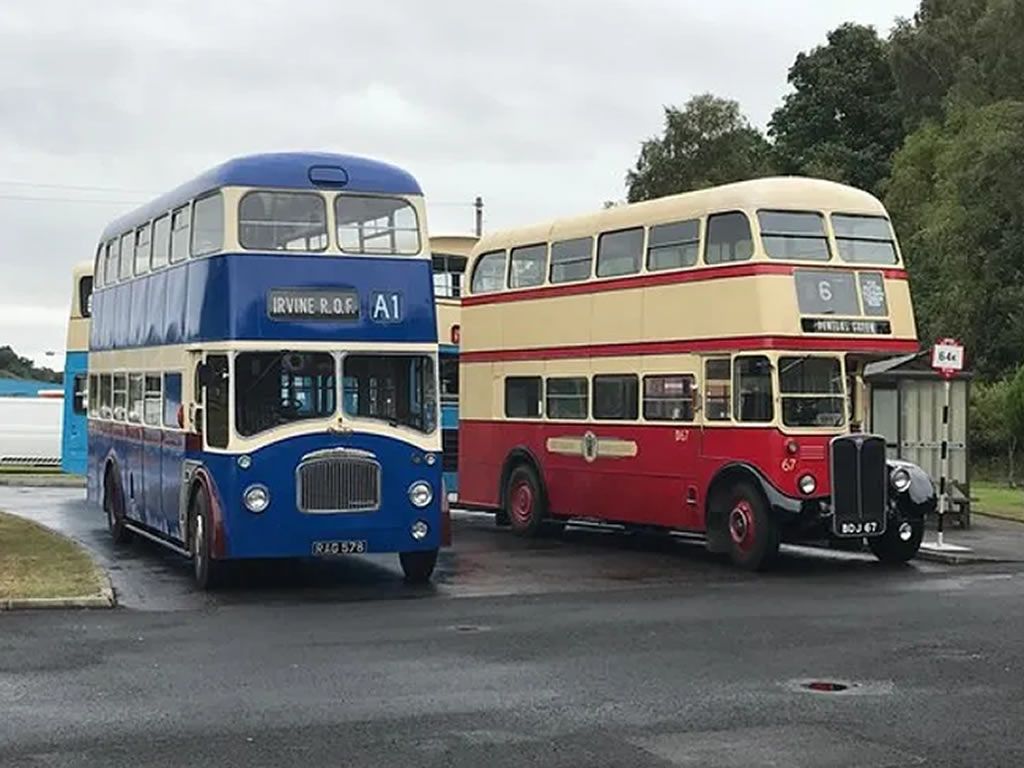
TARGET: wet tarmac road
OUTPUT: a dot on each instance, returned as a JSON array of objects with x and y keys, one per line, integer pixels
[{"x": 593, "y": 649}]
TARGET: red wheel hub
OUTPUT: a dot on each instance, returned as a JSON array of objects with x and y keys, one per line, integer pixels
[
  {"x": 742, "y": 529},
  {"x": 522, "y": 502}
]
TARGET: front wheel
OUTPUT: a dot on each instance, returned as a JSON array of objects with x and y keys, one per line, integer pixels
[
  {"x": 899, "y": 543},
  {"x": 750, "y": 529},
  {"x": 418, "y": 567},
  {"x": 206, "y": 570}
]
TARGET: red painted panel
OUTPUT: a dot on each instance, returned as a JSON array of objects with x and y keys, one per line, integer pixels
[
  {"x": 649, "y": 488},
  {"x": 726, "y": 343},
  {"x": 663, "y": 278}
]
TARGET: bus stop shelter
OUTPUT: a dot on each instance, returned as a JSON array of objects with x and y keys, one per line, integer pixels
[{"x": 906, "y": 399}]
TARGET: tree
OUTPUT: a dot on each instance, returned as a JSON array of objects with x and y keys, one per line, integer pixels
[
  {"x": 1014, "y": 417},
  {"x": 991, "y": 435},
  {"x": 843, "y": 120},
  {"x": 955, "y": 195},
  {"x": 12, "y": 365},
  {"x": 707, "y": 142}
]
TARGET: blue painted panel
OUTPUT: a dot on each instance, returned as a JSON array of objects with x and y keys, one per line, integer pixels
[
  {"x": 156, "y": 290},
  {"x": 151, "y": 496},
  {"x": 282, "y": 531},
  {"x": 175, "y": 304},
  {"x": 73, "y": 452},
  {"x": 121, "y": 330},
  {"x": 140, "y": 313},
  {"x": 171, "y": 459}
]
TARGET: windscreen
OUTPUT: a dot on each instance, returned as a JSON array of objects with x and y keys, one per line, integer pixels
[
  {"x": 277, "y": 388},
  {"x": 812, "y": 392},
  {"x": 397, "y": 389}
]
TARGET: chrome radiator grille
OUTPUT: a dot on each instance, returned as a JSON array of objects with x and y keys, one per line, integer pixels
[{"x": 338, "y": 480}]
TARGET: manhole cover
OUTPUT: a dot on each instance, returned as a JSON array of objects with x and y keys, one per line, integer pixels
[
  {"x": 468, "y": 628},
  {"x": 826, "y": 686},
  {"x": 840, "y": 687}
]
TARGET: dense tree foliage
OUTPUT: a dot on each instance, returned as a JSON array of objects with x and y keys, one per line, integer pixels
[
  {"x": 842, "y": 120},
  {"x": 14, "y": 366},
  {"x": 705, "y": 143}
]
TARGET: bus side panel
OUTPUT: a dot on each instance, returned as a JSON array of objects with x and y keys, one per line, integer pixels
[
  {"x": 175, "y": 305},
  {"x": 73, "y": 435},
  {"x": 208, "y": 300},
  {"x": 172, "y": 458},
  {"x": 135, "y": 481},
  {"x": 155, "y": 328},
  {"x": 480, "y": 462},
  {"x": 152, "y": 495},
  {"x": 120, "y": 333},
  {"x": 140, "y": 312},
  {"x": 765, "y": 449}
]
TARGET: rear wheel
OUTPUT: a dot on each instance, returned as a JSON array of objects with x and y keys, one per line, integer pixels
[
  {"x": 750, "y": 529},
  {"x": 524, "y": 501},
  {"x": 206, "y": 570},
  {"x": 113, "y": 506},
  {"x": 891, "y": 548},
  {"x": 418, "y": 567}
]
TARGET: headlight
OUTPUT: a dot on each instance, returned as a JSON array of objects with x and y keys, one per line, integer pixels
[
  {"x": 244, "y": 461},
  {"x": 420, "y": 494},
  {"x": 431, "y": 459},
  {"x": 419, "y": 530},
  {"x": 256, "y": 498},
  {"x": 900, "y": 479},
  {"x": 807, "y": 484}
]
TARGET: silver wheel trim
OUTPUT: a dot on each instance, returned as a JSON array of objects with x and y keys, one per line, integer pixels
[{"x": 199, "y": 544}]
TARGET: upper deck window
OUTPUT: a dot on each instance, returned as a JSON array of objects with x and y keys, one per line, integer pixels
[
  {"x": 791, "y": 235},
  {"x": 125, "y": 269},
  {"x": 728, "y": 238},
  {"x": 179, "y": 235},
  {"x": 570, "y": 260},
  {"x": 161, "y": 242},
  {"x": 142, "y": 244},
  {"x": 864, "y": 239},
  {"x": 112, "y": 260},
  {"x": 527, "y": 266},
  {"x": 208, "y": 225},
  {"x": 376, "y": 225},
  {"x": 282, "y": 221},
  {"x": 670, "y": 246},
  {"x": 448, "y": 272},
  {"x": 619, "y": 253},
  {"x": 85, "y": 295},
  {"x": 489, "y": 273}
]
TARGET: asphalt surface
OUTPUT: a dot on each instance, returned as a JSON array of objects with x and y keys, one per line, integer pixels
[{"x": 592, "y": 649}]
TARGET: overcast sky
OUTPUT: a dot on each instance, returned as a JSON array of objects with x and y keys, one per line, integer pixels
[{"x": 104, "y": 104}]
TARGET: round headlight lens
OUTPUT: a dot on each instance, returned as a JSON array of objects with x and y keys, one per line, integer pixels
[
  {"x": 244, "y": 461},
  {"x": 807, "y": 484},
  {"x": 900, "y": 479},
  {"x": 419, "y": 530},
  {"x": 256, "y": 498},
  {"x": 420, "y": 494},
  {"x": 906, "y": 531},
  {"x": 431, "y": 459}
]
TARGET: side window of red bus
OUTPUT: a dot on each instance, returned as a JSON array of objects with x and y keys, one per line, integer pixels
[
  {"x": 718, "y": 389},
  {"x": 567, "y": 398},
  {"x": 728, "y": 238},
  {"x": 489, "y": 273},
  {"x": 619, "y": 253},
  {"x": 527, "y": 266},
  {"x": 668, "y": 398},
  {"x": 752, "y": 381},
  {"x": 671, "y": 246},
  {"x": 570, "y": 260},
  {"x": 522, "y": 397},
  {"x": 616, "y": 398}
]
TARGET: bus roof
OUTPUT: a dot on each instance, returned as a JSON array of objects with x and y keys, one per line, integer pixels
[
  {"x": 793, "y": 193},
  {"x": 281, "y": 170},
  {"x": 82, "y": 269},
  {"x": 458, "y": 245}
]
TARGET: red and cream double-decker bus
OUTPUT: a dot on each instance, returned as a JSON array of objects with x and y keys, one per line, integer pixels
[{"x": 692, "y": 362}]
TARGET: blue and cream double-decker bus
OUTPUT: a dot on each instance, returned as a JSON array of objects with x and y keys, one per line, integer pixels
[
  {"x": 263, "y": 367},
  {"x": 76, "y": 363}
]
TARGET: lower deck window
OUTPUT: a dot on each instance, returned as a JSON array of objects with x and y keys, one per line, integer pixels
[
  {"x": 752, "y": 380},
  {"x": 522, "y": 397},
  {"x": 616, "y": 398},
  {"x": 567, "y": 398},
  {"x": 277, "y": 388},
  {"x": 668, "y": 398},
  {"x": 397, "y": 389}
]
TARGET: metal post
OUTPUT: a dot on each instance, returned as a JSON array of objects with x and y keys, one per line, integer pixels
[
  {"x": 479, "y": 205},
  {"x": 944, "y": 479}
]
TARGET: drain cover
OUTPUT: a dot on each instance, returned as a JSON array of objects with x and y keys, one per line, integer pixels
[{"x": 826, "y": 686}]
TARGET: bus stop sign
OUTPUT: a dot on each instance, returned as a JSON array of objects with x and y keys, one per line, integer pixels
[{"x": 948, "y": 357}]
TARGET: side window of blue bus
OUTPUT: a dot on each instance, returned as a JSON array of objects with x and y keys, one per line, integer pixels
[
  {"x": 179, "y": 234},
  {"x": 208, "y": 224},
  {"x": 172, "y": 399}
]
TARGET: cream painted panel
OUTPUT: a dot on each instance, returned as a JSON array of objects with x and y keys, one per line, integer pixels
[
  {"x": 617, "y": 317},
  {"x": 546, "y": 322},
  {"x": 703, "y": 310}
]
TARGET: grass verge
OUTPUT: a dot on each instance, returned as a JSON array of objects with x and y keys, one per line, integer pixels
[
  {"x": 998, "y": 500},
  {"x": 37, "y": 563}
]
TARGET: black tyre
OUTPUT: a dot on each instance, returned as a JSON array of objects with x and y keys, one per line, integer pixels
[
  {"x": 206, "y": 570},
  {"x": 113, "y": 506},
  {"x": 418, "y": 567},
  {"x": 891, "y": 548},
  {"x": 750, "y": 528},
  {"x": 524, "y": 501}
]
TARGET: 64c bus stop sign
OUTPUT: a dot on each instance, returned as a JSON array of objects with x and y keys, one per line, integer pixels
[{"x": 948, "y": 357}]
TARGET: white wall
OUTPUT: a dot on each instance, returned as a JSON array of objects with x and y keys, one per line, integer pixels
[{"x": 30, "y": 427}]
